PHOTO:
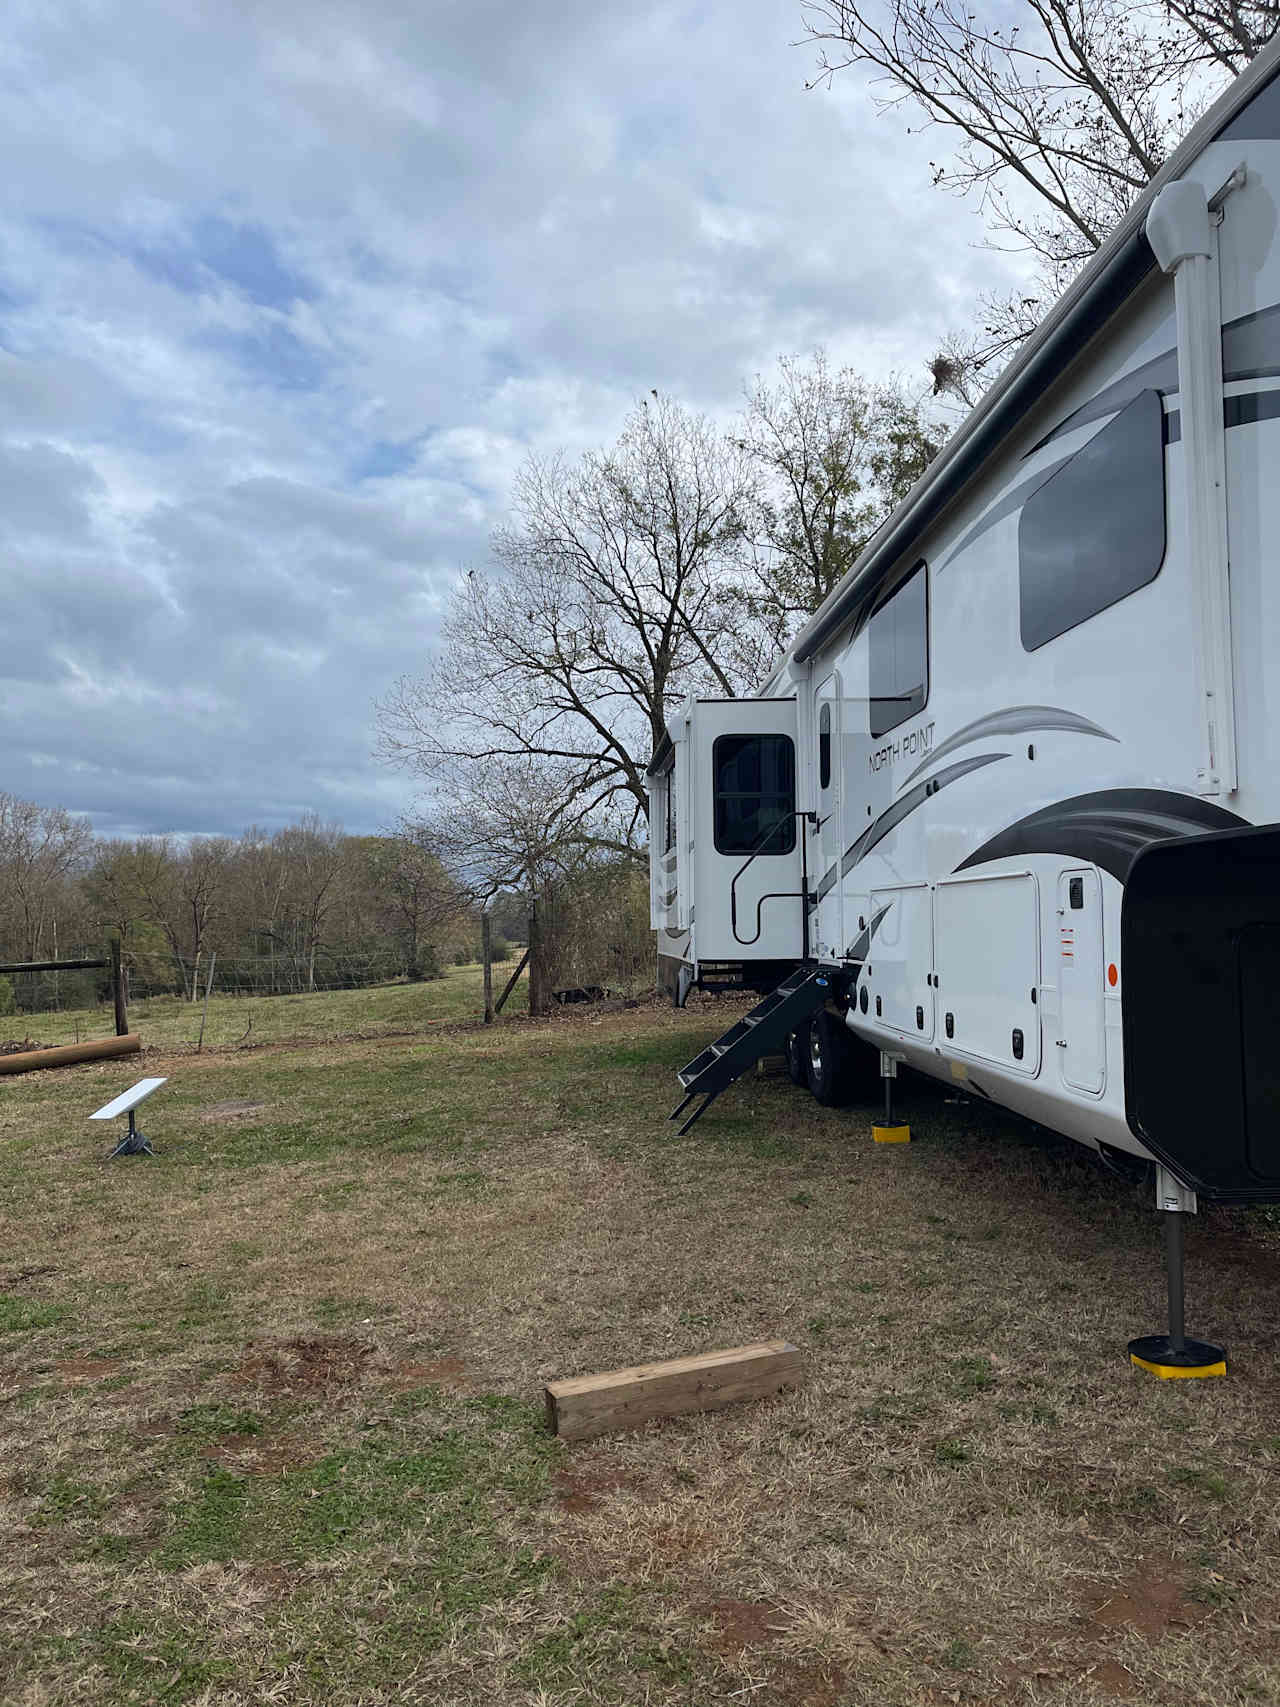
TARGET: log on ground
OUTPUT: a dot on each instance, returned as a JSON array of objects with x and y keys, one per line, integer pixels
[
  {"x": 588, "y": 1405},
  {"x": 29, "y": 1060}
]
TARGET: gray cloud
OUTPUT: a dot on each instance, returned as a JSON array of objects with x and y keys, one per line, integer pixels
[{"x": 287, "y": 292}]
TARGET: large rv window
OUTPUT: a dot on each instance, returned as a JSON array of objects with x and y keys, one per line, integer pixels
[
  {"x": 669, "y": 836},
  {"x": 755, "y": 794},
  {"x": 824, "y": 747},
  {"x": 1095, "y": 531},
  {"x": 898, "y": 641}
]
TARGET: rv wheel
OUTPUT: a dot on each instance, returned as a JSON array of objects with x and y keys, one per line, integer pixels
[
  {"x": 798, "y": 1055},
  {"x": 828, "y": 1059}
]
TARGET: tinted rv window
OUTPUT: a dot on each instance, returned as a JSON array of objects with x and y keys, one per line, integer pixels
[
  {"x": 755, "y": 794},
  {"x": 898, "y": 639},
  {"x": 824, "y": 748},
  {"x": 669, "y": 839},
  {"x": 1095, "y": 531}
]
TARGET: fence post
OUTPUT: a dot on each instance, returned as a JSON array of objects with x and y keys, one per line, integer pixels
[
  {"x": 213, "y": 961},
  {"x": 536, "y": 994},
  {"x": 486, "y": 950},
  {"x": 117, "y": 989}
]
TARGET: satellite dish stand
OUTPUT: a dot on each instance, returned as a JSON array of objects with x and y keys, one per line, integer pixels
[{"x": 133, "y": 1143}]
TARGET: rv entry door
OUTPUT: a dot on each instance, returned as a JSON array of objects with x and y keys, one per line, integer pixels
[
  {"x": 827, "y": 935},
  {"x": 749, "y": 842}
]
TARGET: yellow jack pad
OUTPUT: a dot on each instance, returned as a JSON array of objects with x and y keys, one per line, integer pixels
[
  {"x": 1172, "y": 1372},
  {"x": 1194, "y": 1361},
  {"x": 891, "y": 1134}
]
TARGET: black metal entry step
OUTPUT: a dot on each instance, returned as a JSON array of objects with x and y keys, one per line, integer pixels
[{"x": 757, "y": 1033}]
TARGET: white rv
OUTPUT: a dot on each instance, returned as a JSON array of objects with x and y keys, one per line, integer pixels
[{"x": 1008, "y": 810}]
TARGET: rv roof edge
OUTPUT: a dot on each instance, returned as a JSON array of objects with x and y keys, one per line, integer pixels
[{"x": 1109, "y": 279}]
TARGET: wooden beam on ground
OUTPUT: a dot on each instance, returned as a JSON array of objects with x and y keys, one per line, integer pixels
[
  {"x": 589, "y": 1405},
  {"x": 511, "y": 982},
  {"x": 31, "y": 1060}
]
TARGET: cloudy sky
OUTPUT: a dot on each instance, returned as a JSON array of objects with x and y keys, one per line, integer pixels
[{"x": 288, "y": 290}]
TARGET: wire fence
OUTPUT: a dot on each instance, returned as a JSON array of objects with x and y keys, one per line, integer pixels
[{"x": 277, "y": 974}]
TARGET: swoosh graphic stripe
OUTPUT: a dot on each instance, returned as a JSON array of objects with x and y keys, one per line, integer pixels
[
  {"x": 1014, "y": 720},
  {"x": 859, "y": 949},
  {"x": 1005, "y": 507},
  {"x": 1108, "y": 829},
  {"x": 1250, "y": 350},
  {"x": 901, "y": 808}
]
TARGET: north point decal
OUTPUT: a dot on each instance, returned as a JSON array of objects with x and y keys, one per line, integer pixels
[{"x": 913, "y": 745}]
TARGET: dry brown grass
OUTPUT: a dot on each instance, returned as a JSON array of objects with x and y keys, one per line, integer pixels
[{"x": 973, "y": 1497}]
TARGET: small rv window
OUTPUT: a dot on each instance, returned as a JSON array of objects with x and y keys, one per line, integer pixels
[
  {"x": 755, "y": 794},
  {"x": 669, "y": 837},
  {"x": 1095, "y": 531},
  {"x": 898, "y": 643},
  {"x": 824, "y": 748}
]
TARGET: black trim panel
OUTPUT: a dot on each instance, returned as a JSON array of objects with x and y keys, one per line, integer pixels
[
  {"x": 1200, "y": 1005},
  {"x": 1108, "y": 829}
]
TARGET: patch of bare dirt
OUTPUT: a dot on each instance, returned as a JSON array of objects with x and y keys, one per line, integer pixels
[
  {"x": 742, "y": 1624},
  {"x": 275, "y": 1581},
  {"x": 1112, "y": 1679},
  {"x": 1150, "y": 1602},
  {"x": 302, "y": 1365},
  {"x": 805, "y": 1683},
  {"x": 581, "y": 1491},
  {"x": 88, "y": 1368},
  {"x": 445, "y": 1372},
  {"x": 229, "y": 1110},
  {"x": 253, "y": 1455}
]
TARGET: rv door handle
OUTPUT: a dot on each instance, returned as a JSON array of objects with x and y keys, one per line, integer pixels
[{"x": 1061, "y": 1043}]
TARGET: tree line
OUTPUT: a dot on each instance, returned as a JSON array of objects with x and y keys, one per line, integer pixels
[{"x": 301, "y": 908}]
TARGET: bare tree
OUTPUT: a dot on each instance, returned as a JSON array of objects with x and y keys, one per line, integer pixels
[
  {"x": 835, "y": 453},
  {"x": 314, "y": 855},
  {"x": 1059, "y": 112},
  {"x": 418, "y": 898},
  {"x": 41, "y": 847},
  {"x": 608, "y": 604},
  {"x": 182, "y": 889}
]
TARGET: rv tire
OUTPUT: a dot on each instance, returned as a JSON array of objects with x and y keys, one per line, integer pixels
[
  {"x": 828, "y": 1063},
  {"x": 797, "y": 1053}
]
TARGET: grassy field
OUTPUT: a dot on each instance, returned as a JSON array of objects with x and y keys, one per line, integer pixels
[
  {"x": 389, "y": 1009},
  {"x": 270, "y": 1399}
]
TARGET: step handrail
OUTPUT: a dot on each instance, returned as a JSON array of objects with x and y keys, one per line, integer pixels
[{"x": 801, "y": 894}]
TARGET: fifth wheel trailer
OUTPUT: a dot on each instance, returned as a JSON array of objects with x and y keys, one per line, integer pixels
[{"x": 1008, "y": 809}]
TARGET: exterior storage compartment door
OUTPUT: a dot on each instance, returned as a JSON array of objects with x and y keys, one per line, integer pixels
[
  {"x": 987, "y": 932},
  {"x": 900, "y": 961},
  {"x": 1200, "y": 1004},
  {"x": 1081, "y": 1041}
]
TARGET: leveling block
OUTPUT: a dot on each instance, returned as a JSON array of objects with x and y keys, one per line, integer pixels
[
  {"x": 891, "y": 1134},
  {"x": 133, "y": 1143},
  {"x": 588, "y": 1405}
]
